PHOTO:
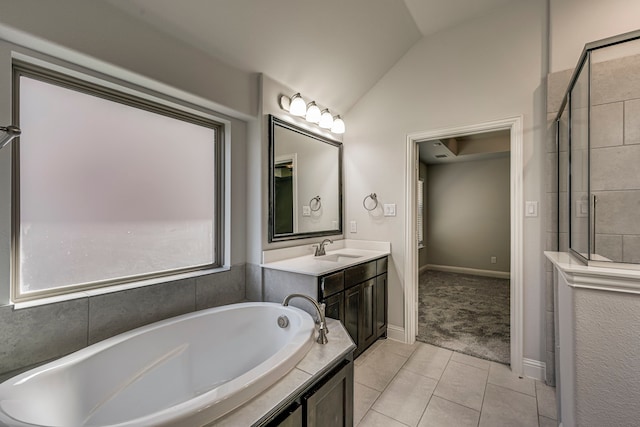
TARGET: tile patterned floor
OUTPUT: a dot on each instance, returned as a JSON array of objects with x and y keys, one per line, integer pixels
[{"x": 419, "y": 385}]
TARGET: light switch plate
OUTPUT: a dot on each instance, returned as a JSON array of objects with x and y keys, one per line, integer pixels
[
  {"x": 531, "y": 209},
  {"x": 353, "y": 227},
  {"x": 389, "y": 209},
  {"x": 582, "y": 208},
  {"x": 306, "y": 211}
]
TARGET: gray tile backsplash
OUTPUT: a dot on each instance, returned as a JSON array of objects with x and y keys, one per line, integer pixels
[
  {"x": 36, "y": 334},
  {"x": 31, "y": 336},
  {"x": 114, "y": 313},
  {"x": 219, "y": 289},
  {"x": 254, "y": 290}
]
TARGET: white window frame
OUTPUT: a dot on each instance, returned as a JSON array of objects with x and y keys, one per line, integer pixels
[{"x": 133, "y": 98}]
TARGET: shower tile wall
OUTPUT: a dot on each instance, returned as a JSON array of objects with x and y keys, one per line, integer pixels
[
  {"x": 31, "y": 336},
  {"x": 615, "y": 156}
]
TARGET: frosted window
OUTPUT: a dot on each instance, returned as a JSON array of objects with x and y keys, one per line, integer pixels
[{"x": 108, "y": 191}]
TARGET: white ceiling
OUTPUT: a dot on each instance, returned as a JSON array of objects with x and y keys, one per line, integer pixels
[{"x": 332, "y": 51}]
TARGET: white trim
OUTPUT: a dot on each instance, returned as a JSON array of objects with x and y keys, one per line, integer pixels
[
  {"x": 116, "y": 288},
  {"x": 515, "y": 126},
  {"x": 423, "y": 269},
  {"x": 395, "y": 333},
  {"x": 466, "y": 270},
  {"x": 534, "y": 369},
  {"x": 610, "y": 279}
]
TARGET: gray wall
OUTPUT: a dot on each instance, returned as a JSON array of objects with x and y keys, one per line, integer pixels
[{"x": 468, "y": 220}]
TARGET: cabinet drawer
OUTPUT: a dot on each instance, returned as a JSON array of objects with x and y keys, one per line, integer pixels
[
  {"x": 381, "y": 265},
  {"x": 359, "y": 273},
  {"x": 331, "y": 284}
]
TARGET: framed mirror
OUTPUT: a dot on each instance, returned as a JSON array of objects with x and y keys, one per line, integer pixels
[{"x": 305, "y": 183}]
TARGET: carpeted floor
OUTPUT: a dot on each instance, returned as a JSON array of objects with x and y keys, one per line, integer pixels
[{"x": 468, "y": 314}]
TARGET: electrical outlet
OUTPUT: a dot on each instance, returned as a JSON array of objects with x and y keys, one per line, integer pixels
[
  {"x": 494, "y": 260},
  {"x": 353, "y": 227},
  {"x": 306, "y": 211}
]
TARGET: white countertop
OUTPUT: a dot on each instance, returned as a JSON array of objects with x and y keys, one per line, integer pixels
[{"x": 300, "y": 259}]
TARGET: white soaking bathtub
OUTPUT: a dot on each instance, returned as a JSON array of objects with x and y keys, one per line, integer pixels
[{"x": 186, "y": 371}]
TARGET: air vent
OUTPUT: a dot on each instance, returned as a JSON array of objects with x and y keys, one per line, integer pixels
[{"x": 441, "y": 156}]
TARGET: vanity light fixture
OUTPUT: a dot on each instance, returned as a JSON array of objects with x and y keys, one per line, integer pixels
[
  {"x": 297, "y": 107},
  {"x": 313, "y": 112},
  {"x": 338, "y": 125},
  {"x": 326, "y": 119}
]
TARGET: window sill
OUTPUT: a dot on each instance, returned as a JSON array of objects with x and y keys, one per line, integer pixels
[{"x": 115, "y": 288}]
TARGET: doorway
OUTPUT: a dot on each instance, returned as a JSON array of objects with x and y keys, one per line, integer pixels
[
  {"x": 464, "y": 271},
  {"x": 514, "y": 127}
]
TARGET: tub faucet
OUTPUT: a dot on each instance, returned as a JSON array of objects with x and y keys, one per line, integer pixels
[
  {"x": 322, "y": 331},
  {"x": 320, "y": 248}
]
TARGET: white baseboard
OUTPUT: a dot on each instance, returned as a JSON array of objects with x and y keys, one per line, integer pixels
[
  {"x": 465, "y": 270},
  {"x": 534, "y": 369},
  {"x": 395, "y": 333},
  {"x": 423, "y": 268}
]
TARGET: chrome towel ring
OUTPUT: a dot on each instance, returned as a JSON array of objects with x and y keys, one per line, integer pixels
[
  {"x": 374, "y": 198},
  {"x": 318, "y": 204}
]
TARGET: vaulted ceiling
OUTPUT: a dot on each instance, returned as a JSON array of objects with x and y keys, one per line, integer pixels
[{"x": 333, "y": 51}]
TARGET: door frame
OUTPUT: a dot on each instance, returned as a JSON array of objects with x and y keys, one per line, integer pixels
[{"x": 515, "y": 127}]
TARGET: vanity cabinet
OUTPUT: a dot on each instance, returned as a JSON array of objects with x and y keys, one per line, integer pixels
[
  {"x": 357, "y": 296},
  {"x": 327, "y": 403}
]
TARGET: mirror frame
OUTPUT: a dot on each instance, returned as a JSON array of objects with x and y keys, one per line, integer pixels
[{"x": 273, "y": 122}]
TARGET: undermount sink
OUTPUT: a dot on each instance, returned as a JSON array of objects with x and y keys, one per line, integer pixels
[{"x": 338, "y": 257}]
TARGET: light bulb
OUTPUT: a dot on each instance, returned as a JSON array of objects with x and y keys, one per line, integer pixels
[
  {"x": 297, "y": 106},
  {"x": 313, "y": 112},
  {"x": 338, "y": 125},
  {"x": 326, "y": 119}
]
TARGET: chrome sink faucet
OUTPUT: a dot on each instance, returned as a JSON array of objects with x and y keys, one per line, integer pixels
[
  {"x": 320, "y": 247},
  {"x": 322, "y": 331}
]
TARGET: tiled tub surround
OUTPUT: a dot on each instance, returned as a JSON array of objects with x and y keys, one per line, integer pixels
[
  {"x": 162, "y": 374},
  {"x": 31, "y": 336},
  {"x": 320, "y": 360}
]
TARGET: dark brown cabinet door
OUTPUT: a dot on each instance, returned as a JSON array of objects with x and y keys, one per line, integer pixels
[
  {"x": 331, "y": 404},
  {"x": 381, "y": 305},
  {"x": 334, "y": 307},
  {"x": 352, "y": 313},
  {"x": 368, "y": 301},
  {"x": 290, "y": 417}
]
